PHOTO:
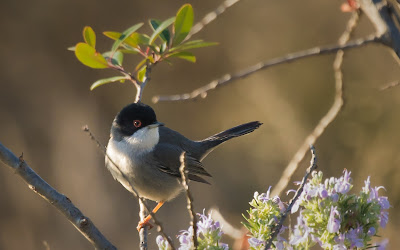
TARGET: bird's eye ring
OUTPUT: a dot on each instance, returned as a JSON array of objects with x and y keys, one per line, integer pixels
[{"x": 137, "y": 123}]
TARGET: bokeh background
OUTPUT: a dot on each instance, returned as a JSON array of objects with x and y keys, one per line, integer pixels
[{"x": 45, "y": 100}]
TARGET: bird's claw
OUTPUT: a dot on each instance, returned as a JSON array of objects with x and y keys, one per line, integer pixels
[{"x": 143, "y": 224}]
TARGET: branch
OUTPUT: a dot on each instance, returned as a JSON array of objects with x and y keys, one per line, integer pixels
[
  {"x": 62, "y": 203},
  {"x": 144, "y": 230},
  {"x": 390, "y": 85},
  {"x": 384, "y": 17},
  {"x": 140, "y": 85},
  {"x": 202, "y": 92},
  {"x": 329, "y": 116},
  {"x": 277, "y": 228},
  {"x": 193, "y": 220},
  {"x": 210, "y": 17},
  {"x": 135, "y": 194}
]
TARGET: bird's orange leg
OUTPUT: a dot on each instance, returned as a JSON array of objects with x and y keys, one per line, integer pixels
[{"x": 146, "y": 220}]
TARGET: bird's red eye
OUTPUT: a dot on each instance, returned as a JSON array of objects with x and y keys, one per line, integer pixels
[{"x": 137, "y": 123}]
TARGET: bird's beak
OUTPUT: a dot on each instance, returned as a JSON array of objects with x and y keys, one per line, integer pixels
[{"x": 156, "y": 124}]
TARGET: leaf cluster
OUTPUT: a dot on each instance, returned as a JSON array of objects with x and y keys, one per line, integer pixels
[{"x": 168, "y": 40}]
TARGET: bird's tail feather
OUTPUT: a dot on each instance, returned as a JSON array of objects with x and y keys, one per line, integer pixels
[{"x": 233, "y": 132}]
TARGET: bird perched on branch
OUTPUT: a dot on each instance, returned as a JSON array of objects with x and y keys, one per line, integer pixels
[{"x": 144, "y": 154}]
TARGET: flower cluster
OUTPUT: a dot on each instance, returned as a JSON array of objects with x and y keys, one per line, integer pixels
[
  {"x": 333, "y": 218},
  {"x": 209, "y": 233},
  {"x": 328, "y": 216},
  {"x": 263, "y": 215}
]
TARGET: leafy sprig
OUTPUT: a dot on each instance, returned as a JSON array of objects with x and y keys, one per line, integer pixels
[{"x": 168, "y": 40}]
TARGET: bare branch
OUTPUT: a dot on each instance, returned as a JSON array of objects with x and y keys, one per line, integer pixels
[
  {"x": 202, "y": 92},
  {"x": 141, "y": 85},
  {"x": 328, "y": 118},
  {"x": 384, "y": 18},
  {"x": 144, "y": 230},
  {"x": 193, "y": 219},
  {"x": 62, "y": 203},
  {"x": 390, "y": 85},
  {"x": 211, "y": 17},
  {"x": 134, "y": 192},
  {"x": 277, "y": 228}
]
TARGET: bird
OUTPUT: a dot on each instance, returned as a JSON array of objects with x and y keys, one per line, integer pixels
[{"x": 144, "y": 154}]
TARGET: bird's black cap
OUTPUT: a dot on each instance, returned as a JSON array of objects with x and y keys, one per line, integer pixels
[{"x": 133, "y": 117}]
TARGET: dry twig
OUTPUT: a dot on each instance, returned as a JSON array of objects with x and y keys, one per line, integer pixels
[
  {"x": 189, "y": 198},
  {"x": 207, "y": 19},
  {"x": 62, "y": 203},
  {"x": 278, "y": 226},
  {"x": 329, "y": 116},
  {"x": 228, "y": 78}
]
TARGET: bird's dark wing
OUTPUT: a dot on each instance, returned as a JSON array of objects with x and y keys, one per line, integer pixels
[{"x": 167, "y": 160}]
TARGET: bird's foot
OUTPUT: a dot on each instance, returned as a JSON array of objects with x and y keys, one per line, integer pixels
[{"x": 144, "y": 223}]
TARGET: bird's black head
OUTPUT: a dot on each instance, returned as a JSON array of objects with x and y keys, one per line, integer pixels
[{"x": 134, "y": 117}]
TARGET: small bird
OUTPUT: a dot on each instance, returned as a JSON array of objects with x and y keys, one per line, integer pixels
[{"x": 144, "y": 154}]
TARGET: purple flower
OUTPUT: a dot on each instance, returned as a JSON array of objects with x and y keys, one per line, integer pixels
[
  {"x": 300, "y": 232},
  {"x": 384, "y": 202},
  {"x": 384, "y": 219},
  {"x": 254, "y": 242},
  {"x": 334, "y": 220},
  {"x": 162, "y": 243},
  {"x": 206, "y": 225},
  {"x": 343, "y": 184},
  {"x": 355, "y": 236},
  {"x": 371, "y": 231},
  {"x": 340, "y": 242},
  {"x": 185, "y": 238},
  {"x": 383, "y": 244}
]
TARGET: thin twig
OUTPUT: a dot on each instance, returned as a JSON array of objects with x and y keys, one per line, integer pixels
[
  {"x": 62, "y": 203},
  {"x": 211, "y": 17},
  {"x": 189, "y": 198},
  {"x": 329, "y": 116},
  {"x": 144, "y": 230},
  {"x": 228, "y": 78},
  {"x": 390, "y": 85},
  {"x": 277, "y": 228},
  {"x": 141, "y": 85},
  {"x": 134, "y": 192}
]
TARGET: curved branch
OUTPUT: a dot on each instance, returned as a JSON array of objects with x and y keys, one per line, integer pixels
[
  {"x": 62, "y": 203},
  {"x": 329, "y": 116},
  {"x": 277, "y": 228},
  {"x": 210, "y": 17},
  {"x": 202, "y": 92}
]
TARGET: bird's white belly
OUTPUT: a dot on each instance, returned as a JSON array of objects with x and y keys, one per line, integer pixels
[{"x": 131, "y": 171}]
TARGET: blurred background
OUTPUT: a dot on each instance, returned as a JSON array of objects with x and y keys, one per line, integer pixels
[{"x": 45, "y": 100}]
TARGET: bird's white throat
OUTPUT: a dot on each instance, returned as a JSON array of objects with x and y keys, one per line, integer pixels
[{"x": 145, "y": 139}]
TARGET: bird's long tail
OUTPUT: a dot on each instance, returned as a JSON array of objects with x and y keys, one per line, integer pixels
[
  {"x": 219, "y": 138},
  {"x": 235, "y": 132}
]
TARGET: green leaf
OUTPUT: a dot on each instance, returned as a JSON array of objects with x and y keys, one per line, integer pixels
[
  {"x": 89, "y": 36},
  {"x": 116, "y": 59},
  {"x": 112, "y": 34},
  {"x": 87, "y": 55},
  {"x": 140, "y": 64},
  {"x": 133, "y": 40},
  {"x": 138, "y": 39},
  {"x": 106, "y": 80},
  {"x": 183, "y": 23},
  {"x": 184, "y": 55},
  {"x": 160, "y": 29},
  {"x": 125, "y": 35},
  {"x": 141, "y": 74},
  {"x": 193, "y": 45},
  {"x": 165, "y": 35}
]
